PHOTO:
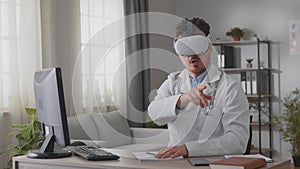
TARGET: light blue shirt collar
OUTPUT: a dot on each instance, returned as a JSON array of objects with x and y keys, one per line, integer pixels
[{"x": 197, "y": 81}]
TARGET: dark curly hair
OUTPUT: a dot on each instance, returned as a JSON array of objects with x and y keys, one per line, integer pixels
[{"x": 190, "y": 27}]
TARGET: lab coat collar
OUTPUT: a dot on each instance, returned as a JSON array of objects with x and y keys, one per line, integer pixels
[{"x": 213, "y": 75}]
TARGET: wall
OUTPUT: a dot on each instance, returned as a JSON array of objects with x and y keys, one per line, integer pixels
[{"x": 267, "y": 18}]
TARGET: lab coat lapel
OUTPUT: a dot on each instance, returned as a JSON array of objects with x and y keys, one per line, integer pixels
[
  {"x": 185, "y": 81},
  {"x": 185, "y": 86},
  {"x": 214, "y": 116},
  {"x": 212, "y": 121}
]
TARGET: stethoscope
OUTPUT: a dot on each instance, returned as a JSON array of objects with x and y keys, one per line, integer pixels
[{"x": 211, "y": 104}]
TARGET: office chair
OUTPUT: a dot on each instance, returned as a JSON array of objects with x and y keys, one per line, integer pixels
[{"x": 250, "y": 138}]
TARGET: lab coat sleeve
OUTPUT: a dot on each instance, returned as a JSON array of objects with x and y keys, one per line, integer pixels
[
  {"x": 235, "y": 121},
  {"x": 162, "y": 109}
]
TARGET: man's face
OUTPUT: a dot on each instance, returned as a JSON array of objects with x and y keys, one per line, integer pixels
[{"x": 196, "y": 64}]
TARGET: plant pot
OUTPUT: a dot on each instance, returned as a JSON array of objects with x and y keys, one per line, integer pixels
[
  {"x": 249, "y": 65},
  {"x": 237, "y": 38},
  {"x": 296, "y": 161}
]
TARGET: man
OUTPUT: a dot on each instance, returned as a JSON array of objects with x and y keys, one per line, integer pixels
[{"x": 206, "y": 111}]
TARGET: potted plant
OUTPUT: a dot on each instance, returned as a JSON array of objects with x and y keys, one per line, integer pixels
[
  {"x": 289, "y": 123},
  {"x": 236, "y": 33},
  {"x": 28, "y": 136},
  {"x": 249, "y": 62}
]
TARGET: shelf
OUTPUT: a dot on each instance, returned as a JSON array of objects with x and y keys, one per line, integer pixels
[
  {"x": 242, "y": 42},
  {"x": 255, "y": 150},
  {"x": 265, "y": 123},
  {"x": 257, "y": 96},
  {"x": 245, "y": 69},
  {"x": 263, "y": 82}
]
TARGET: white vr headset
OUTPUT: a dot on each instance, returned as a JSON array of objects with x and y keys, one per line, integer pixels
[{"x": 191, "y": 45}]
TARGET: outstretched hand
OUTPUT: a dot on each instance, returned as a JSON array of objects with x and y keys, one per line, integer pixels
[
  {"x": 195, "y": 96},
  {"x": 173, "y": 152}
]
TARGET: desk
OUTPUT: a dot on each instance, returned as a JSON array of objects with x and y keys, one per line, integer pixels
[{"x": 75, "y": 162}]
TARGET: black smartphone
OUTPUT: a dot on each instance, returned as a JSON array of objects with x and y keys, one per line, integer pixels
[{"x": 198, "y": 162}]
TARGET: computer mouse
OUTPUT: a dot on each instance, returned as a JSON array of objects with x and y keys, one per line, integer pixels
[{"x": 78, "y": 143}]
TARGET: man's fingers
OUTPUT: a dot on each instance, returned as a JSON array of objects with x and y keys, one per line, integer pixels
[
  {"x": 197, "y": 97},
  {"x": 201, "y": 88},
  {"x": 173, "y": 152},
  {"x": 169, "y": 153},
  {"x": 162, "y": 152},
  {"x": 207, "y": 97}
]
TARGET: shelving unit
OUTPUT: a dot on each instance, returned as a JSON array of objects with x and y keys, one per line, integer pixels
[{"x": 261, "y": 97}]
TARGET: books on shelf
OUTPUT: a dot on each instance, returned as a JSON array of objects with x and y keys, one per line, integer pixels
[
  {"x": 249, "y": 82},
  {"x": 238, "y": 163},
  {"x": 230, "y": 57}
]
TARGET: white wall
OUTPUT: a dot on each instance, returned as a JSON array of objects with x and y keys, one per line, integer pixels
[{"x": 267, "y": 18}]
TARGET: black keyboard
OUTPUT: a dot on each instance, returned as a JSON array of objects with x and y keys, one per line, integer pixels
[{"x": 92, "y": 153}]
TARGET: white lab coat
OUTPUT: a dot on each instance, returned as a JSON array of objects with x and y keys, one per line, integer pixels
[{"x": 225, "y": 130}]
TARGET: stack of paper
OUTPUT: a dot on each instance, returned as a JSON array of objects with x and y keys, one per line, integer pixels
[{"x": 146, "y": 156}]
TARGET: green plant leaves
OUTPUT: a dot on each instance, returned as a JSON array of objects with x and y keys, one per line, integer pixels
[
  {"x": 28, "y": 136},
  {"x": 249, "y": 60},
  {"x": 289, "y": 122},
  {"x": 236, "y": 32},
  {"x": 30, "y": 111}
]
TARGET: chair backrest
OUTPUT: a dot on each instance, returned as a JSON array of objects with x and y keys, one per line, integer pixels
[
  {"x": 81, "y": 127},
  {"x": 250, "y": 138},
  {"x": 112, "y": 128}
]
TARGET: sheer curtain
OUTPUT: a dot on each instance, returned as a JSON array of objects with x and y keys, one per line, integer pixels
[
  {"x": 102, "y": 55},
  {"x": 20, "y": 57}
]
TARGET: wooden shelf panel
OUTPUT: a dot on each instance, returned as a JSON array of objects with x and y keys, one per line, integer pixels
[
  {"x": 255, "y": 150},
  {"x": 265, "y": 123},
  {"x": 236, "y": 70},
  {"x": 241, "y": 42},
  {"x": 262, "y": 96}
]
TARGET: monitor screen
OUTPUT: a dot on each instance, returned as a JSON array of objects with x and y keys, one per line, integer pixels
[{"x": 51, "y": 112}]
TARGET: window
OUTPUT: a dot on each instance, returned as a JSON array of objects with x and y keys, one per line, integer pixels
[
  {"x": 5, "y": 62},
  {"x": 98, "y": 73},
  {"x": 20, "y": 52}
]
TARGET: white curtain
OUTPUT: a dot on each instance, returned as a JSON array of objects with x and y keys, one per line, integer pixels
[
  {"x": 102, "y": 57},
  {"x": 20, "y": 57},
  {"x": 20, "y": 53}
]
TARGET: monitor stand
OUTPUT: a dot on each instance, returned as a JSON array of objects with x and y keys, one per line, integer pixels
[
  {"x": 47, "y": 150},
  {"x": 55, "y": 154}
]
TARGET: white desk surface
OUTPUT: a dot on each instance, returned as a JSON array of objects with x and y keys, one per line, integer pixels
[{"x": 75, "y": 162}]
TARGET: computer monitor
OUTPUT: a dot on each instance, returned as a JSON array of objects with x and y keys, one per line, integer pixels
[{"x": 51, "y": 112}]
